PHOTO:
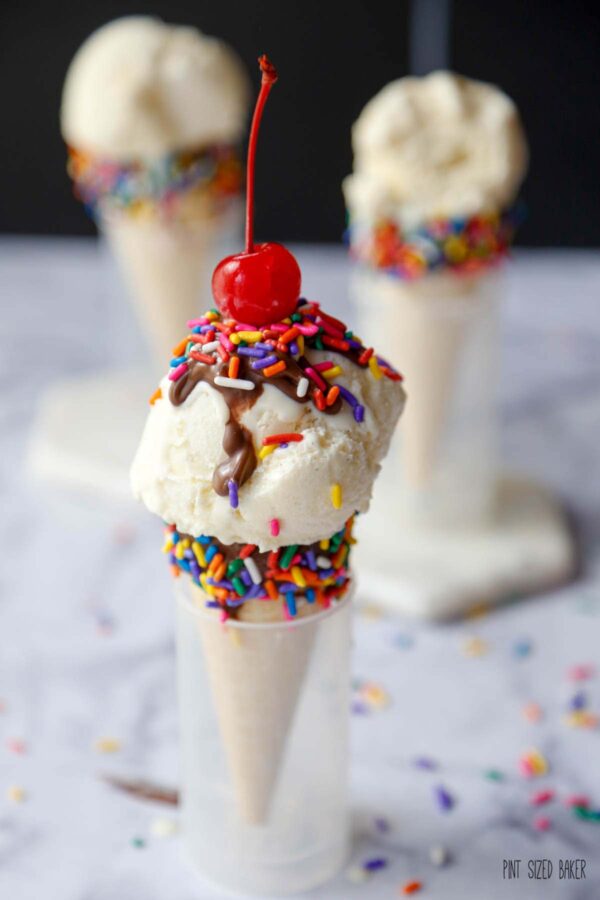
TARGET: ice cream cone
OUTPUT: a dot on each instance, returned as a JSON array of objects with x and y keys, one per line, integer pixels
[
  {"x": 422, "y": 323},
  {"x": 166, "y": 266},
  {"x": 256, "y": 678}
]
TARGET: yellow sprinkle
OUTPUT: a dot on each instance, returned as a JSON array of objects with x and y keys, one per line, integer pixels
[
  {"x": 250, "y": 336},
  {"x": 334, "y": 372},
  {"x": 300, "y": 343},
  {"x": 374, "y": 695},
  {"x": 264, "y": 451},
  {"x": 336, "y": 495},
  {"x": 374, "y": 367},
  {"x": 179, "y": 550},
  {"x": 199, "y": 554},
  {"x": 16, "y": 793},
  {"x": 167, "y": 546},
  {"x": 107, "y": 745},
  {"x": 211, "y": 316},
  {"x": 206, "y": 587},
  {"x": 235, "y": 338},
  {"x": 186, "y": 543},
  {"x": 324, "y": 544},
  {"x": 298, "y": 577}
]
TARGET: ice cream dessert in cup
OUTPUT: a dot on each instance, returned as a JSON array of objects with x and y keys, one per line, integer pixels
[
  {"x": 262, "y": 444},
  {"x": 438, "y": 162},
  {"x": 153, "y": 116}
]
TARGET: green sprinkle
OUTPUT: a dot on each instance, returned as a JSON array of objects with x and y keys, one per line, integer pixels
[
  {"x": 287, "y": 557},
  {"x": 494, "y": 775},
  {"x": 589, "y": 815},
  {"x": 240, "y": 587},
  {"x": 296, "y": 317},
  {"x": 138, "y": 842},
  {"x": 319, "y": 343},
  {"x": 234, "y": 567},
  {"x": 335, "y": 542}
]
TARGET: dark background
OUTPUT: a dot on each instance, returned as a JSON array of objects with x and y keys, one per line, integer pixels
[{"x": 332, "y": 58}]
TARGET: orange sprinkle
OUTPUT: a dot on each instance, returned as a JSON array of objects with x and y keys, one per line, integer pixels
[
  {"x": 319, "y": 398},
  {"x": 155, "y": 396},
  {"x": 289, "y": 335},
  {"x": 411, "y": 887},
  {"x": 179, "y": 350},
  {"x": 274, "y": 369},
  {"x": 234, "y": 367},
  {"x": 271, "y": 589},
  {"x": 219, "y": 573},
  {"x": 175, "y": 571},
  {"x": 215, "y": 563},
  {"x": 332, "y": 395}
]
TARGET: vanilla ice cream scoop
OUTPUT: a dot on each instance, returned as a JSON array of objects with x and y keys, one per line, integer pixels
[
  {"x": 139, "y": 88},
  {"x": 284, "y": 452},
  {"x": 442, "y": 146}
]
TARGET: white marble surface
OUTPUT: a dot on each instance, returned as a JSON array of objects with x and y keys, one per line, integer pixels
[{"x": 69, "y": 565}]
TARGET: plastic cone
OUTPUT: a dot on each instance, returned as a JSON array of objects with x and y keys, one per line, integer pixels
[{"x": 256, "y": 678}]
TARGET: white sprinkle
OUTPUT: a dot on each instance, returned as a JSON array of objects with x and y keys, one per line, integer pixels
[
  {"x": 438, "y": 855},
  {"x": 323, "y": 562},
  {"x": 252, "y": 570},
  {"x": 163, "y": 827},
  {"x": 239, "y": 383},
  {"x": 357, "y": 874},
  {"x": 207, "y": 348},
  {"x": 302, "y": 387}
]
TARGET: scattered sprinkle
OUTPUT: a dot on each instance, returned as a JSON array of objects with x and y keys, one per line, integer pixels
[
  {"x": 532, "y": 712},
  {"x": 357, "y": 874},
  {"x": 439, "y": 855},
  {"x": 240, "y": 384},
  {"x": 523, "y": 648},
  {"x": 403, "y": 641},
  {"x": 425, "y": 762},
  {"x": 581, "y": 718},
  {"x": 302, "y": 388},
  {"x": 581, "y": 672},
  {"x": 381, "y": 825},
  {"x": 532, "y": 764},
  {"x": 138, "y": 842},
  {"x": 16, "y": 745},
  {"x": 444, "y": 799},
  {"x": 107, "y": 745},
  {"x": 16, "y": 794},
  {"x": 542, "y": 823},
  {"x": 163, "y": 827},
  {"x": 232, "y": 488},
  {"x": 577, "y": 800},
  {"x": 155, "y": 396},
  {"x": 475, "y": 646},
  {"x": 494, "y": 775},
  {"x": 411, "y": 887},
  {"x": 282, "y": 439},
  {"x": 375, "y": 864},
  {"x": 274, "y": 527},
  {"x": 540, "y": 798}
]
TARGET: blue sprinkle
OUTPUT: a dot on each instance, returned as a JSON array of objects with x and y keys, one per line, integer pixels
[
  {"x": 359, "y": 412},
  {"x": 175, "y": 537},
  {"x": 204, "y": 539},
  {"x": 177, "y": 360},
  {"x": 290, "y": 601},
  {"x": 372, "y": 865},
  {"x": 578, "y": 701},
  {"x": 425, "y": 762},
  {"x": 522, "y": 648},
  {"x": 310, "y": 595},
  {"x": 210, "y": 553}
]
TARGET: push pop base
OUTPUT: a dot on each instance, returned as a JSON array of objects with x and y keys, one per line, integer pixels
[
  {"x": 87, "y": 430},
  {"x": 440, "y": 574}
]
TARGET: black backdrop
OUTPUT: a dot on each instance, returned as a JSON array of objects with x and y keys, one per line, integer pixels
[{"x": 331, "y": 58}]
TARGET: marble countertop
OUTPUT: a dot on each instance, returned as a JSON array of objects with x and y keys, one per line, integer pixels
[{"x": 86, "y": 637}]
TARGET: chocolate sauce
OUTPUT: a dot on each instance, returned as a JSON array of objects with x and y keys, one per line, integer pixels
[{"x": 240, "y": 457}]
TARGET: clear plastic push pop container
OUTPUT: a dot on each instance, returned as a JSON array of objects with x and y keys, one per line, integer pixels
[
  {"x": 442, "y": 466},
  {"x": 264, "y": 738}
]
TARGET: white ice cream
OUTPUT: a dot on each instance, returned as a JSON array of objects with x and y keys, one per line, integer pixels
[
  {"x": 438, "y": 146},
  {"x": 181, "y": 446},
  {"x": 138, "y": 88}
]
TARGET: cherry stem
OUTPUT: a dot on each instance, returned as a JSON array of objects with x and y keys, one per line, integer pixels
[{"x": 269, "y": 77}]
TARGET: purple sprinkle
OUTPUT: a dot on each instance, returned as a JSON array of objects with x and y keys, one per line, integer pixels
[
  {"x": 189, "y": 554},
  {"x": 294, "y": 349},
  {"x": 359, "y": 412},
  {"x": 233, "y": 604},
  {"x": 233, "y": 493},
  {"x": 263, "y": 363},
  {"x": 173, "y": 559},
  {"x": 445, "y": 801},
  {"x": 195, "y": 568},
  {"x": 283, "y": 446},
  {"x": 425, "y": 762},
  {"x": 251, "y": 351},
  {"x": 325, "y": 573},
  {"x": 311, "y": 560},
  {"x": 372, "y": 865},
  {"x": 254, "y": 591},
  {"x": 245, "y": 576},
  {"x": 382, "y": 825},
  {"x": 356, "y": 345},
  {"x": 212, "y": 604},
  {"x": 225, "y": 583},
  {"x": 348, "y": 396},
  {"x": 261, "y": 346},
  {"x": 578, "y": 701}
]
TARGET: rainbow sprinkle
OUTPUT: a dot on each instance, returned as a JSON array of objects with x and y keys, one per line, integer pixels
[
  {"x": 155, "y": 188},
  {"x": 232, "y": 574},
  {"x": 460, "y": 245}
]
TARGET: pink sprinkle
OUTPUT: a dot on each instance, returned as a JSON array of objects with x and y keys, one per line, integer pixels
[
  {"x": 196, "y": 323},
  {"x": 316, "y": 378},
  {"x": 577, "y": 800},
  {"x": 16, "y": 745},
  {"x": 279, "y": 327},
  {"x": 581, "y": 672},
  {"x": 329, "y": 329},
  {"x": 225, "y": 342},
  {"x": 307, "y": 330},
  {"x": 274, "y": 526},
  {"x": 532, "y": 712},
  {"x": 176, "y": 373},
  {"x": 525, "y": 767},
  {"x": 243, "y": 326},
  {"x": 541, "y": 797},
  {"x": 223, "y": 616},
  {"x": 542, "y": 823},
  {"x": 324, "y": 366}
]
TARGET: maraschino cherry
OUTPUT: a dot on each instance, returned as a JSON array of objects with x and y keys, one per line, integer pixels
[{"x": 261, "y": 284}]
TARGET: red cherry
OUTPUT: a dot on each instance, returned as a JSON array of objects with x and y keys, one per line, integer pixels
[
  {"x": 262, "y": 284},
  {"x": 258, "y": 287}
]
